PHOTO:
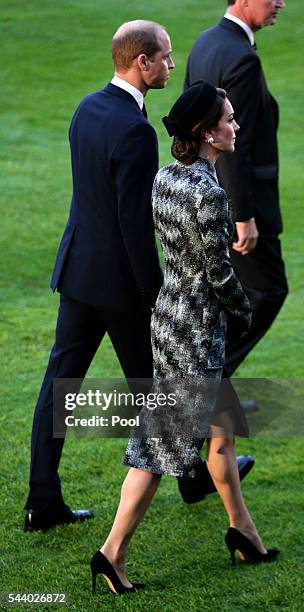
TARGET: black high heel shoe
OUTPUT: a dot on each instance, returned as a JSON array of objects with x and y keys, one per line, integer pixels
[
  {"x": 101, "y": 565},
  {"x": 236, "y": 540}
]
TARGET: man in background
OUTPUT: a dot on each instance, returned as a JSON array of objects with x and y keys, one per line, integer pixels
[{"x": 226, "y": 56}]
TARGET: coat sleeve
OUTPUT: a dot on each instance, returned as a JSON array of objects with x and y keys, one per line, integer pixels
[
  {"x": 213, "y": 219},
  {"x": 135, "y": 166},
  {"x": 243, "y": 83}
]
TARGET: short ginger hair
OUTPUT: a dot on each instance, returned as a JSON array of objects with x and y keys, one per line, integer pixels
[{"x": 134, "y": 38}]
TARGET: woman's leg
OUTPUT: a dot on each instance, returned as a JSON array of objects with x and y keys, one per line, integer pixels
[
  {"x": 223, "y": 468},
  {"x": 137, "y": 492}
]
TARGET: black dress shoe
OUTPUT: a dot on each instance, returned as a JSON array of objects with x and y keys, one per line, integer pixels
[
  {"x": 249, "y": 406},
  {"x": 195, "y": 489},
  {"x": 35, "y": 520}
]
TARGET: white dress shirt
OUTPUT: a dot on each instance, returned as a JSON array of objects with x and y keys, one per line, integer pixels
[
  {"x": 243, "y": 25},
  {"x": 137, "y": 95}
]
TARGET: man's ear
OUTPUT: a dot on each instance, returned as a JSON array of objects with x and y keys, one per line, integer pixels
[{"x": 143, "y": 61}]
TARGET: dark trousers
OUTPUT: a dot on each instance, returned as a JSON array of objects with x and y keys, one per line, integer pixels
[
  {"x": 262, "y": 275},
  {"x": 79, "y": 332}
]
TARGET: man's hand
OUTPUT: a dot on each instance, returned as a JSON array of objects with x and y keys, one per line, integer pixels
[{"x": 247, "y": 236}]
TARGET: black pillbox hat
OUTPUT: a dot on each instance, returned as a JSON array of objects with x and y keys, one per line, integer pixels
[{"x": 189, "y": 109}]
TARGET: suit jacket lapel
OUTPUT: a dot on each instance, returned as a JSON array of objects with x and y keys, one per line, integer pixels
[
  {"x": 234, "y": 27},
  {"x": 120, "y": 93}
]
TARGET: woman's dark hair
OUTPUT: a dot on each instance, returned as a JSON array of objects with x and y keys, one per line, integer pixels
[{"x": 186, "y": 151}]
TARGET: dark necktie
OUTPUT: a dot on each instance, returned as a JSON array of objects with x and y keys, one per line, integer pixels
[{"x": 144, "y": 110}]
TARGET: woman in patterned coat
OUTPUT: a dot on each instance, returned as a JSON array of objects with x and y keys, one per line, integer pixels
[{"x": 199, "y": 290}]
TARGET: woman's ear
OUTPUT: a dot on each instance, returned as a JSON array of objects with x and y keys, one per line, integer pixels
[{"x": 207, "y": 136}]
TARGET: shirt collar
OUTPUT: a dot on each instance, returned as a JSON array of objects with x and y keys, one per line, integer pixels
[
  {"x": 137, "y": 95},
  {"x": 243, "y": 25}
]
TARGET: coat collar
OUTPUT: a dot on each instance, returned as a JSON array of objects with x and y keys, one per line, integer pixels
[
  {"x": 137, "y": 95},
  {"x": 208, "y": 167},
  {"x": 235, "y": 27},
  {"x": 113, "y": 90}
]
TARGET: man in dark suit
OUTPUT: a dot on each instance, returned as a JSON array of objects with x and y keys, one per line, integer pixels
[
  {"x": 226, "y": 56},
  {"x": 107, "y": 269}
]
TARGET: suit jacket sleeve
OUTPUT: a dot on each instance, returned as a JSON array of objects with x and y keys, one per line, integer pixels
[
  {"x": 136, "y": 163},
  {"x": 243, "y": 84},
  {"x": 213, "y": 220}
]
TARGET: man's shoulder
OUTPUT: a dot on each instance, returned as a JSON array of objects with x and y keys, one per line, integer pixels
[
  {"x": 106, "y": 108},
  {"x": 86, "y": 105},
  {"x": 108, "y": 98},
  {"x": 219, "y": 52},
  {"x": 211, "y": 34},
  {"x": 223, "y": 38},
  {"x": 214, "y": 30}
]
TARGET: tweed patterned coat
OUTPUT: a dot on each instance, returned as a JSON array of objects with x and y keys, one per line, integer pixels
[{"x": 200, "y": 287}]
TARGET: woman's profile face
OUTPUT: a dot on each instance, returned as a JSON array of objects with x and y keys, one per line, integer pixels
[{"x": 224, "y": 134}]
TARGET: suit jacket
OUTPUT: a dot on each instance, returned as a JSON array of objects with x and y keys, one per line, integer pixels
[
  {"x": 224, "y": 56},
  {"x": 107, "y": 256}
]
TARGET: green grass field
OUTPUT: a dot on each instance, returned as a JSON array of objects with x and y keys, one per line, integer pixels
[{"x": 54, "y": 53}]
